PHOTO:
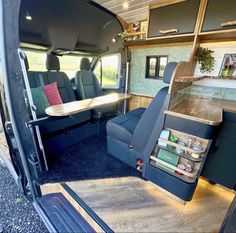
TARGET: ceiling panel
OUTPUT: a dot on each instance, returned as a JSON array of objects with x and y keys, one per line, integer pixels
[{"x": 129, "y": 10}]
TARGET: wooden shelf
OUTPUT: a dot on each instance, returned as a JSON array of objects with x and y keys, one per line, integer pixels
[
  {"x": 184, "y": 155},
  {"x": 188, "y": 174},
  {"x": 220, "y": 35},
  {"x": 181, "y": 177},
  {"x": 190, "y": 150},
  {"x": 135, "y": 34},
  {"x": 185, "y": 79},
  {"x": 161, "y": 40}
]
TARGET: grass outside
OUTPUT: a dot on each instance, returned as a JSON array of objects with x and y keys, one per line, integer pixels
[{"x": 70, "y": 65}]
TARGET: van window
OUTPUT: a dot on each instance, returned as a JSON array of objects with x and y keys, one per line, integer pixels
[
  {"x": 68, "y": 63},
  {"x": 36, "y": 60},
  {"x": 107, "y": 71},
  {"x": 71, "y": 64},
  {"x": 155, "y": 66}
]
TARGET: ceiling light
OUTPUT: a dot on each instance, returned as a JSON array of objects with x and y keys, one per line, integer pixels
[
  {"x": 125, "y": 5},
  {"x": 28, "y": 16}
]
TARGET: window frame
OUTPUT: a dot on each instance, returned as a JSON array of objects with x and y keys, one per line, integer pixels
[
  {"x": 99, "y": 63},
  {"x": 157, "y": 68}
]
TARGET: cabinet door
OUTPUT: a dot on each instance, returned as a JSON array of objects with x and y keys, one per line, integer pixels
[
  {"x": 220, "y": 164},
  {"x": 181, "y": 16},
  {"x": 218, "y": 12}
]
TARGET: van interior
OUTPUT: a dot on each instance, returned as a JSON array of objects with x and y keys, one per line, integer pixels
[{"x": 127, "y": 113}]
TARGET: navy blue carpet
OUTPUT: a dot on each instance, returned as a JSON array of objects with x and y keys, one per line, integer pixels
[{"x": 84, "y": 161}]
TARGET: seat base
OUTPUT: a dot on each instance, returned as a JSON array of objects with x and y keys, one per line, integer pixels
[{"x": 122, "y": 152}]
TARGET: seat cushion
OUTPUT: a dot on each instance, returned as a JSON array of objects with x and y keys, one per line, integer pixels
[
  {"x": 40, "y": 100},
  {"x": 56, "y": 124},
  {"x": 52, "y": 93},
  {"x": 137, "y": 112},
  {"x": 122, "y": 127}
]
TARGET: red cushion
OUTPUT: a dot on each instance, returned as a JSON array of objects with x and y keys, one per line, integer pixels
[{"x": 52, "y": 94}]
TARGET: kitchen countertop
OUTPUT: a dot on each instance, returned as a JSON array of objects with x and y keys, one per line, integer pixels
[{"x": 205, "y": 110}]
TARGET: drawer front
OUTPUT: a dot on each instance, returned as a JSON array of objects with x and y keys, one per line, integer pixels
[
  {"x": 191, "y": 127},
  {"x": 218, "y": 12},
  {"x": 181, "y": 16},
  {"x": 221, "y": 163}
]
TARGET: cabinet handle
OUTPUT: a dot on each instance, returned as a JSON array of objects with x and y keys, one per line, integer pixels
[
  {"x": 229, "y": 23},
  {"x": 168, "y": 31}
]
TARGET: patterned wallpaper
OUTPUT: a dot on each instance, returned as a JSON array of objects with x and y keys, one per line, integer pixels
[{"x": 138, "y": 83}]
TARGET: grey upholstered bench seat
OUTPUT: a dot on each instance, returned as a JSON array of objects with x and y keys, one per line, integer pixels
[
  {"x": 53, "y": 74},
  {"x": 129, "y": 135},
  {"x": 123, "y": 126}
]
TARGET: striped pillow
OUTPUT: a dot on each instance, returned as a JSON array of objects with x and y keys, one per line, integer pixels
[{"x": 52, "y": 94}]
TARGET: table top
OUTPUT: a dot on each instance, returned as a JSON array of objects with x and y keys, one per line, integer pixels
[
  {"x": 84, "y": 105},
  {"x": 204, "y": 110}
]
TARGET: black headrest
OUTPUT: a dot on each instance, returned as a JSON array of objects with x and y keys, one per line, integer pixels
[
  {"x": 26, "y": 63},
  {"x": 52, "y": 62},
  {"x": 170, "y": 67},
  {"x": 85, "y": 64}
]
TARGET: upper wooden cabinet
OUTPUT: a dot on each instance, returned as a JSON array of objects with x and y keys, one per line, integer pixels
[
  {"x": 219, "y": 15},
  {"x": 175, "y": 19}
]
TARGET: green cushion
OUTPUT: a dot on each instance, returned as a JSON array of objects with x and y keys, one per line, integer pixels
[{"x": 40, "y": 100}]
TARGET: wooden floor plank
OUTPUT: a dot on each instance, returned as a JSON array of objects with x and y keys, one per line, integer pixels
[{"x": 131, "y": 204}]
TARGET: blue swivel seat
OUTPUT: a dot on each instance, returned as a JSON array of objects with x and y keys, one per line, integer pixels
[{"x": 129, "y": 134}]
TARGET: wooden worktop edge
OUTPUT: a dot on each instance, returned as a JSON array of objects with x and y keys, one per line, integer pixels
[{"x": 197, "y": 119}]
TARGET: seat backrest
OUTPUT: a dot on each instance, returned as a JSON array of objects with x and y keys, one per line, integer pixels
[
  {"x": 53, "y": 74},
  {"x": 34, "y": 77},
  {"x": 148, "y": 120},
  {"x": 87, "y": 84}
]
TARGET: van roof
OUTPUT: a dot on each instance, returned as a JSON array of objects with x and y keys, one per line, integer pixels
[{"x": 72, "y": 25}]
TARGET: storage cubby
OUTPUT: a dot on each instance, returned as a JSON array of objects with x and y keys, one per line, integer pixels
[
  {"x": 174, "y": 19},
  {"x": 174, "y": 154},
  {"x": 219, "y": 15}
]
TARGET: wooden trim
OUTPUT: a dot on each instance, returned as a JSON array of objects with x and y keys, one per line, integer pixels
[
  {"x": 135, "y": 34},
  {"x": 191, "y": 175},
  {"x": 202, "y": 15},
  {"x": 77, "y": 206},
  {"x": 172, "y": 79},
  {"x": 217, "y": 32},
  {"x": 164, "y": 3},
  {"x": 181, "y": 147},
  {"x": 182, "y": 69},
  {"x": 188, "y": 79},
  {"x": 131, "y": 47},
  {"x": 217, "y": 40},
  {"x": 148, "y": 22},
  {"x": 141, "y": 95},
  {"x": 171, "y": 36}
]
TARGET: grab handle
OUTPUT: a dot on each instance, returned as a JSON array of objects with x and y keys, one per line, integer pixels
[
  {"x": 168, "y": 31},
  {"x": 229, "y": 23}
]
